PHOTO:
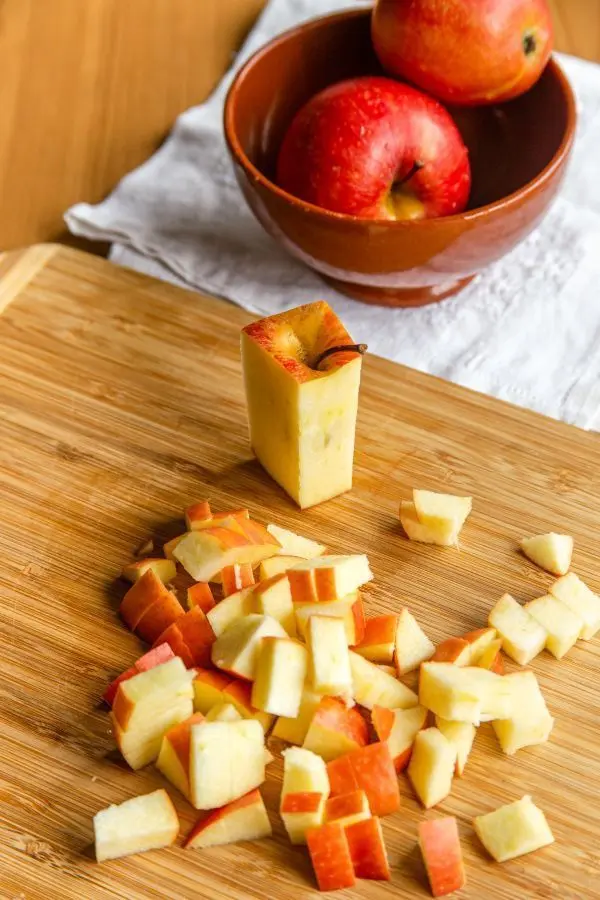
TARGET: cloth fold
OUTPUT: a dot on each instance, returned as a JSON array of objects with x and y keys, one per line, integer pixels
[{"x": 527, "y": 330}]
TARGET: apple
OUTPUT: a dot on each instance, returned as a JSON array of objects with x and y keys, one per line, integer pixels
[
  {"x": 412, "y": 646},
  {"x": 464, "y": 694},
  {"x": 197, "y": 635},
  {"x": 147, "y": 604},
  {"x": 209, "y": 687},
  {"x": 230, "y": 610},
  {"x": 293, "y": 544},
  {"x": 432, "y": 766},
  {"x": 398, "y": 729},
  {"x": 461, "y": 735},
  {"x": 369, "y": 769},
  {"x": 347, "y": 808},
  {"x": 522, "y": 636},
  {"x": 330, "y": 857},
  {"x": 575, "y": 594},
  {"x": 335, "y": 729},
  {"x": 236, "y": 577},
  {"x": 328, "y": 578},
  {"x": 367, "y": 849},
  {"x": 164, "y": 569},
  {"x": 378, "y": 149},
  {"x": 197, "y": 513},
  {"x": 200, "y": 594},
  {"x": 223, "y": 712},
  {"x": 444, "y": 536},
  {"x": 237, "y": 649},
  {"x": 294, "y": 730},
  {"x": 276, "y": 565},
  {"x": 304, "y": 772},
  {"x": 491, "y": 658},
  {"x": 562, "y": 626},
  {"x": 142, "y": 823},
  {"x": 551, "y": 552},
  {"x": 373, "y": 687},
  {"x": 174, "y": 757},
  {"x": 379, "y": 640},
  {"x": 442, "y": 855},
  {"x": 509, "y": 43},
  {"x": 239, "y": 693},
  {"x": 169, "y": 547},
  {"x": 301, "y": 811},
  {"x": 350, "y": 609},
  {"x": 156, "y": 656},
  {"x": 273, "y": 597},
  {"x": 302, "y": 386},
  {"x": 530, "y": 722},
  {"x": 441, "y": 511},
  {"x": 328, "y": 659},
  {"x": 203, "y": 554},
  {"x": 513, "y": 830},
  {"x": 227, "y": 760},
  {"x": 465, "y": 650},
  {"x": 173, "y": 637},
  {"x": 245, "y": 819},
  {"x": 280, "y": 674}
]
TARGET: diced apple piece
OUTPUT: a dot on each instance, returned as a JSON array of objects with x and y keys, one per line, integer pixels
[
  {"x": 169, "y": 547},
  {"x": 530, "y": 723},
  {"x": 174, "y": 638},
  {"x": 491, "y": 658},
  {"x": 164, "y": 569},
  {"x": 367, "y": 850},
  {"x": 551, "y": 552},
  {"x": 379, "y": 640},
  {"x": 245, "y": 819},
  {"x": 258, "y": 534},
  {"x": 446, "y": 536},
  {"x": 240, "y": 694},
  {"x": 479, "y": 641},
  {"x": 223, "y": 712},
  {"x": 274, "y": 598},
  {"x": 513, "y": 830},
  {"x": 197, "y": 513},
  {"x": 300, "y": 812},
  {"x": 227, "y": 760},
  {"x": 442, "y": 855},
  {"x": 412, "y": 644},
  {"x": 522, "y": 636},
  {"x": 304, "y": 772},
  {"x": 561, "y": 625},
  {"x": 294, "y": 730},
  {"x": 329, "y": 662},
  {"x": 203, "y": 554},
  {"x": 464, "y": 694},
  {"x": 209, "y": 687},
  {"x": 147, "y": 592},
  {"x": 330, "y": 857},
  {"x": 347, "y": 808},
  {"x": 328, "y": 578},
  {"x": 438, "y": 511},
  {"x": 335, "y": 729},
  {"x": 197, "y": 634},
  {"x": 111, "y": 691},
  {"x": 453, "y": 650},
  {"x": 461, "y": 735},
  {"x": 149, "y": 660},
  {"x": 141, "y": 745},
  {"x": 575, "y": 594},
  {"x": 350, "y": 609},
  {"x": 371, "y": 770},
  {"x": 432, "y": 766},
  {"x": 276, "y": 565},
  {"x": 158, "y": 618},
  {"x": 200, "y": 595},
  {"x": 398, "y": 728},
  {"x": 236, "y": 606},
  {"x": 373, "y": 687},
  {"x": 294, "y": 545},
  {"x": 174, "y": 757},
  {"x": 236, "y": 577},
  {"x": 142, "y": 823},
  {"x": 236, "y": 650},
  {"x": 389, "y": 670},
  {"x": 280, "y": 675}
]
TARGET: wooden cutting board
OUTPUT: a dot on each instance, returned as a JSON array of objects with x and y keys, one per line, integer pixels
[{"x": 121, "y": 402}]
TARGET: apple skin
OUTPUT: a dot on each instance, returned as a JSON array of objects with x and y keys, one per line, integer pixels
[
  {"x": 464, "y": 52},
  {"x": 351, "y": 143}
]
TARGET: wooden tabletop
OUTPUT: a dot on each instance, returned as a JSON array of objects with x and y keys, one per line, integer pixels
[{"x": 89, "y": 90}]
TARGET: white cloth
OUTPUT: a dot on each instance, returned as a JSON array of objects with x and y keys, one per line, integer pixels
[{"x": 527, "y": 330}]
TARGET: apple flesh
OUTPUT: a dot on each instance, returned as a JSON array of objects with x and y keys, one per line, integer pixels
[
  {"x": 245, "y": 819},
  {"x": 378, "y": 149},
  {"x": 442, "y": 855},
  {"x": 432, "y": 766},
  {"x": 551, "y": 551},
  {"x": 227, "y": 760},
  {"x": 424, "y": 41},
  {"x": 142, "y": 823},
  {"x": 369, "y": 769},
  {"x": 513, "y": 830}
]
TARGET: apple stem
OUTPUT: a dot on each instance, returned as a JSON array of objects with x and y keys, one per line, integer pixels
[
  {"x": 343, "y": 348},
  {"x": 416, "y": 168}
]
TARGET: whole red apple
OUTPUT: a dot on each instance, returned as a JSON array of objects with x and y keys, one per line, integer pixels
[
  {"x": 378, "y": 149},
  {"x": 467, "y": 52}
]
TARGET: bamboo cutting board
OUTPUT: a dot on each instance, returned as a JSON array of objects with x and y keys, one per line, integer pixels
[{"x": 121, "y": 402}]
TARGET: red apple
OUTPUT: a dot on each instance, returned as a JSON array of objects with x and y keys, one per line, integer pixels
[
  {"x": 378, "y": 149},
  {"x": 462, "y": 51}
]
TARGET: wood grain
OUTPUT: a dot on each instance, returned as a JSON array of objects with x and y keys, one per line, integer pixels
[
  {"x": 121, "y": 402},
  {"x": 89, "y": 90}
]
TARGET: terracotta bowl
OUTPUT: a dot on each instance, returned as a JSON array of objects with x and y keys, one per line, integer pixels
[{"x": 519, "y": 152}]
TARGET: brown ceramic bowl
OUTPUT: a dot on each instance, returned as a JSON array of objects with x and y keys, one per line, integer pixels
[{"x": 519, "y": 152}]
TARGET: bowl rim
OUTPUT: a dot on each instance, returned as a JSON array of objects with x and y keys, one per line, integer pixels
[{"x": 471, "y": 215}]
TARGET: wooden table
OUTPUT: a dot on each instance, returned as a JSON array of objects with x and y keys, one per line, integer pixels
[{"x": 89, "y": 90}]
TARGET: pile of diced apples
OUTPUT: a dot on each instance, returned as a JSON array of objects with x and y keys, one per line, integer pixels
[{"x": 275, "y": 639}]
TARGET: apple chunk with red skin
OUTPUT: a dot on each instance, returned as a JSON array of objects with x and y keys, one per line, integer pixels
[
  {"x": 245, "y": 819},
  {"x": 442, "y": 855},
  {"x": 378, "y": 149}
]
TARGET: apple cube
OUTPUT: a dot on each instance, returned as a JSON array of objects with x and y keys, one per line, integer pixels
[
  {"x": 442, "y": 855},
  {"x": 149, "y": 660},
  {"x": 245, "y": 819},
  {"x": 367, "y": 850},
  {"x": 204, "y": 554},
  {"x": 330, "y": 857},
  {"x": 412, "y": 644},
  {"x": 575, "y": 594},
  {"x": 164, "y": 569},
  {"x": 347, "y": 808},
  {"x": 453, "y": 650},
  {"x": 223, "y": 712},
  {"x": 551, "y": 552},
  {"x": 236, "y": 577},
  {"x": 173, "y": 637},
  {"x": 280, "y": 675},
  {"x": 236, "y": 606},
  {"x": 169, "y": 547},
  {"x": 335, "y": 729},
  {"x": 304, "y": 772},
  {"x": 276, "y": 565},
  {"x": 236, "y": 650},
  {"x": 373, "y": 687},
  {"x": 209, "y": 687},
  {"x": 379, "y": 640},
  {"x": 294, "y": 545},
  {"x": 513, "y": 830},
  {"x": 300, "y": 812},
  {"x": 274, "y": 598},
  {"x": 561, "y": 625},
  {"x": 398, "y": 728},
  {"x": 294, "y": 730},
  {"x": 197, "y": 634},
  {"x": 329, "y": 662},
  {"x": 432, "y": 766},
  {"x": 239, "y": 693},
  {"x": 442, "y": 536},
  {"x": 439, "y": 511},
  {"x": 227, "y": 760},
  {"x": 197, "y": 513},
  {"x": 350, "y": 609},
  {"x": 530, "y": 722},
  {"x": 201, "y": 595},
  {"x": 328, "y": 578},
  {"x": 522, "y": 636},
  {"x": 491, "y": 658},
  {"x": 369, "y": 769},
  {"x": 149, "y": 592},
  {"x": 464, "y": 694},
  {"x": 461, "y": 735},
  {"x": 174, "y": 757},
  {"x": 142, "y": 823},
  {"x": 301, "y": 409}
]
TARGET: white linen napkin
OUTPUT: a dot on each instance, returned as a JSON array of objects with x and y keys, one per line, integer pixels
[{"x": 527, "y": 330}]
